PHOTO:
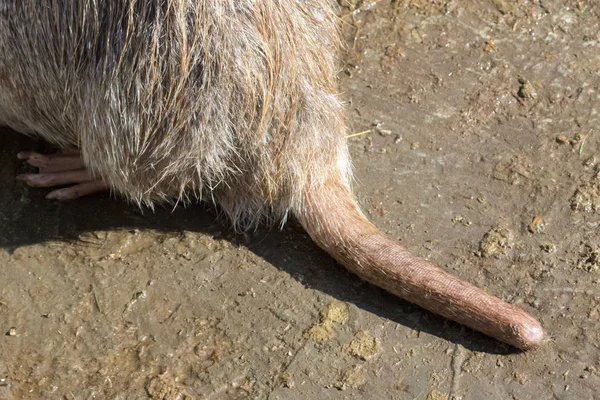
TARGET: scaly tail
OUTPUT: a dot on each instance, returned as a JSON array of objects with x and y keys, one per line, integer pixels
[{"x": 332, "y": 218}]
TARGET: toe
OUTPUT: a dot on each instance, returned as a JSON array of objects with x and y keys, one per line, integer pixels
[
  {"x": 55, "y": 178},
  {"x": 52, "y": 162},
  {"x": 79, "y": 190},
  {"x": 65, "y": 167}
]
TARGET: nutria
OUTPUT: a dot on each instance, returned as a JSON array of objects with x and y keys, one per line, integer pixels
[{"x": 230, "y": 100}]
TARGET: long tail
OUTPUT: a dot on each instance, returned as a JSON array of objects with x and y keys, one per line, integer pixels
[{"x": 333, "y": 220}]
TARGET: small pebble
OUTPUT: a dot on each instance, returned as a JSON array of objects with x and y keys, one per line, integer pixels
[{"x": 537, "y": 225}]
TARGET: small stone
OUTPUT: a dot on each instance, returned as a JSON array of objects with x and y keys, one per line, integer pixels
[
  {"x": 575, "y": 139},
  {"x": 548, "y": 247},
  {"x": 459, "y": 219},
  {"x": 561, "y": 139},
  {"x": 537, "y": 225},
  {"x": 526, "y": 91}
]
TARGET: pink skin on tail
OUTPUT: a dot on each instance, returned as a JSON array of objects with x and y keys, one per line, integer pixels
[
  {"x": 334, "y": 221},
  {"x": 332, "y": 218}
]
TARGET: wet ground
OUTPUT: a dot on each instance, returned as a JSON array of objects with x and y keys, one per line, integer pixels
[{"x": 475, "y": 143}]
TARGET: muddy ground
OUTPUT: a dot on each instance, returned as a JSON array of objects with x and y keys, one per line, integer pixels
[{"x": 475, "y": 143}]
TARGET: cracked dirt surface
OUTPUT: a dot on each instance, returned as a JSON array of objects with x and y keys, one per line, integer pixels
[{"x": 476, "y": 145}]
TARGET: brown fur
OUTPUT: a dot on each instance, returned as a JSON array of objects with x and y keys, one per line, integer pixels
[{"x": 234, "y": 100}]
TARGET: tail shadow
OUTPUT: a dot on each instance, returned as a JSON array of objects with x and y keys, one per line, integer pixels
[{"x": 28, "y": 218}]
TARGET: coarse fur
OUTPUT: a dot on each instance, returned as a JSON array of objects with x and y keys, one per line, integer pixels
[
  {"x": 227, "y": 99},
  {"x": 232, "y": 100}
]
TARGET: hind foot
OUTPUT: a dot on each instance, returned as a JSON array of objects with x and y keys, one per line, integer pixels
[{"x": 60, "y": 169}]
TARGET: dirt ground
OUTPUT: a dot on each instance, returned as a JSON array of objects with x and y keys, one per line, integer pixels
[{"x": 475, "y": 141}]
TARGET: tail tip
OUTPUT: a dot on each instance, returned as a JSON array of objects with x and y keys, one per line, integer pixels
[{"x": 530, "y": 335}]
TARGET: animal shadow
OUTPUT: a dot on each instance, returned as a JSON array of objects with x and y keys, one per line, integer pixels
[{"x": 26, "y": 217}]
